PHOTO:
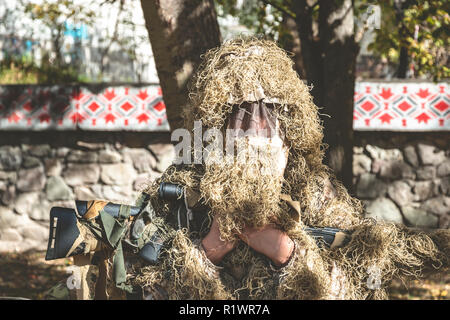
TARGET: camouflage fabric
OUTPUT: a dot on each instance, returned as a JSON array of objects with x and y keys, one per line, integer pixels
[{"x": 60, "y": 292}]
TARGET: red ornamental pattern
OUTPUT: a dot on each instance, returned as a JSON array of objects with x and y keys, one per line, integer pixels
[
  {"x": 390, "y": 106},
  {"x": 35, "y": 107},
  {"x": 131, "y": 108},
  {"x": 396, "y": 106}
]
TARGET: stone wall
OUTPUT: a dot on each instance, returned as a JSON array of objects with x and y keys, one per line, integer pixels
[
  {"x": 401, "y": 177},
  {"x": 46, "y": 169},
  {"x": 404, "y": 177}
]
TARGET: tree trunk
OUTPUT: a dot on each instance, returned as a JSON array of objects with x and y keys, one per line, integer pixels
[
  {"x": 291, "y": 43},
  {"x": 180, "y": 31},
  {"x": 329, "y": 58},
  {"x": 311, "y": 55},
  {"x": 403, "y": 61},
  {"x": 339, "y": 52}
]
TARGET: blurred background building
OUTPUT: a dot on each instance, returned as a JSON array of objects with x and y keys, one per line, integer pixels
[{"x": 101, "y": 41}]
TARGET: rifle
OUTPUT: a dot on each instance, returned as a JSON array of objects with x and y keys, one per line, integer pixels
[
  {"x": 93, "y": 233},
  {"x": 326, "y": 236},
  {"x": 95, "y": 230},
  {"x": 66, "y": 239}
]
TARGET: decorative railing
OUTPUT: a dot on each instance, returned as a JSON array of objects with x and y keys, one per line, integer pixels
[{"x": 379, "y": 106}]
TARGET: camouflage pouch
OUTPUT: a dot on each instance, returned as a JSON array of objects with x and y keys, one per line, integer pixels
[{"x": 147, "y": 240}]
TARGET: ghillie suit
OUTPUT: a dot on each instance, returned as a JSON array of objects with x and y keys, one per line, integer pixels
[
  {"x": 246, "y": 71},
  {"x": 253, "y": 73}
]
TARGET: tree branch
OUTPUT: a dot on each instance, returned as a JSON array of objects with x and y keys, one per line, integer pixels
[
  {"x": 304, "y": 21},
  {"x": 113, "y": 38},
  {"x": 280, "y": 8}
]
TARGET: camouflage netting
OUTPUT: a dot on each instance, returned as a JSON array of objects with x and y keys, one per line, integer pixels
[
  {"x": 185, "y": 273},
  {"x": 376, "y": 251},
  {"x": 239, "y": 195}
]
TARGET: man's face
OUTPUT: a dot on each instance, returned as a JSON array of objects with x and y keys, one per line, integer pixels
[
  {"x": 246, "y": 190},
  {"x": 257, "y": 125}
]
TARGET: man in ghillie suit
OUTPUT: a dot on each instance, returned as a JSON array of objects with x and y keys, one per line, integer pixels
[
  {"x": 253, "y": 240},
  {"x": 267, "y": 220}
]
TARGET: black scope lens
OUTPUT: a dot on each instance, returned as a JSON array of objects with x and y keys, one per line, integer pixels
[{"x": 170, "y": 191}]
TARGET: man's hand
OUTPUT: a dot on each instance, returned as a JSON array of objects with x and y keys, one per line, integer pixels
[
  {"x": 270, "y": 241},
  {"x": 215, "y": 247}
]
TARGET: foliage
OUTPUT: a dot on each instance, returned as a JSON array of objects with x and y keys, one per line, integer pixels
[
  {"x": 422, "y": 28},
  {"x": 25, "y": 71},
  {"x": 54, "y": 15},
  {"x": 427, "y": 48},
  {"x": 258, "y": 16}
]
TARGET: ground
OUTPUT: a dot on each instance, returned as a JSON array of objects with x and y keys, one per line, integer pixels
[{"x": 28, "y": 275}]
